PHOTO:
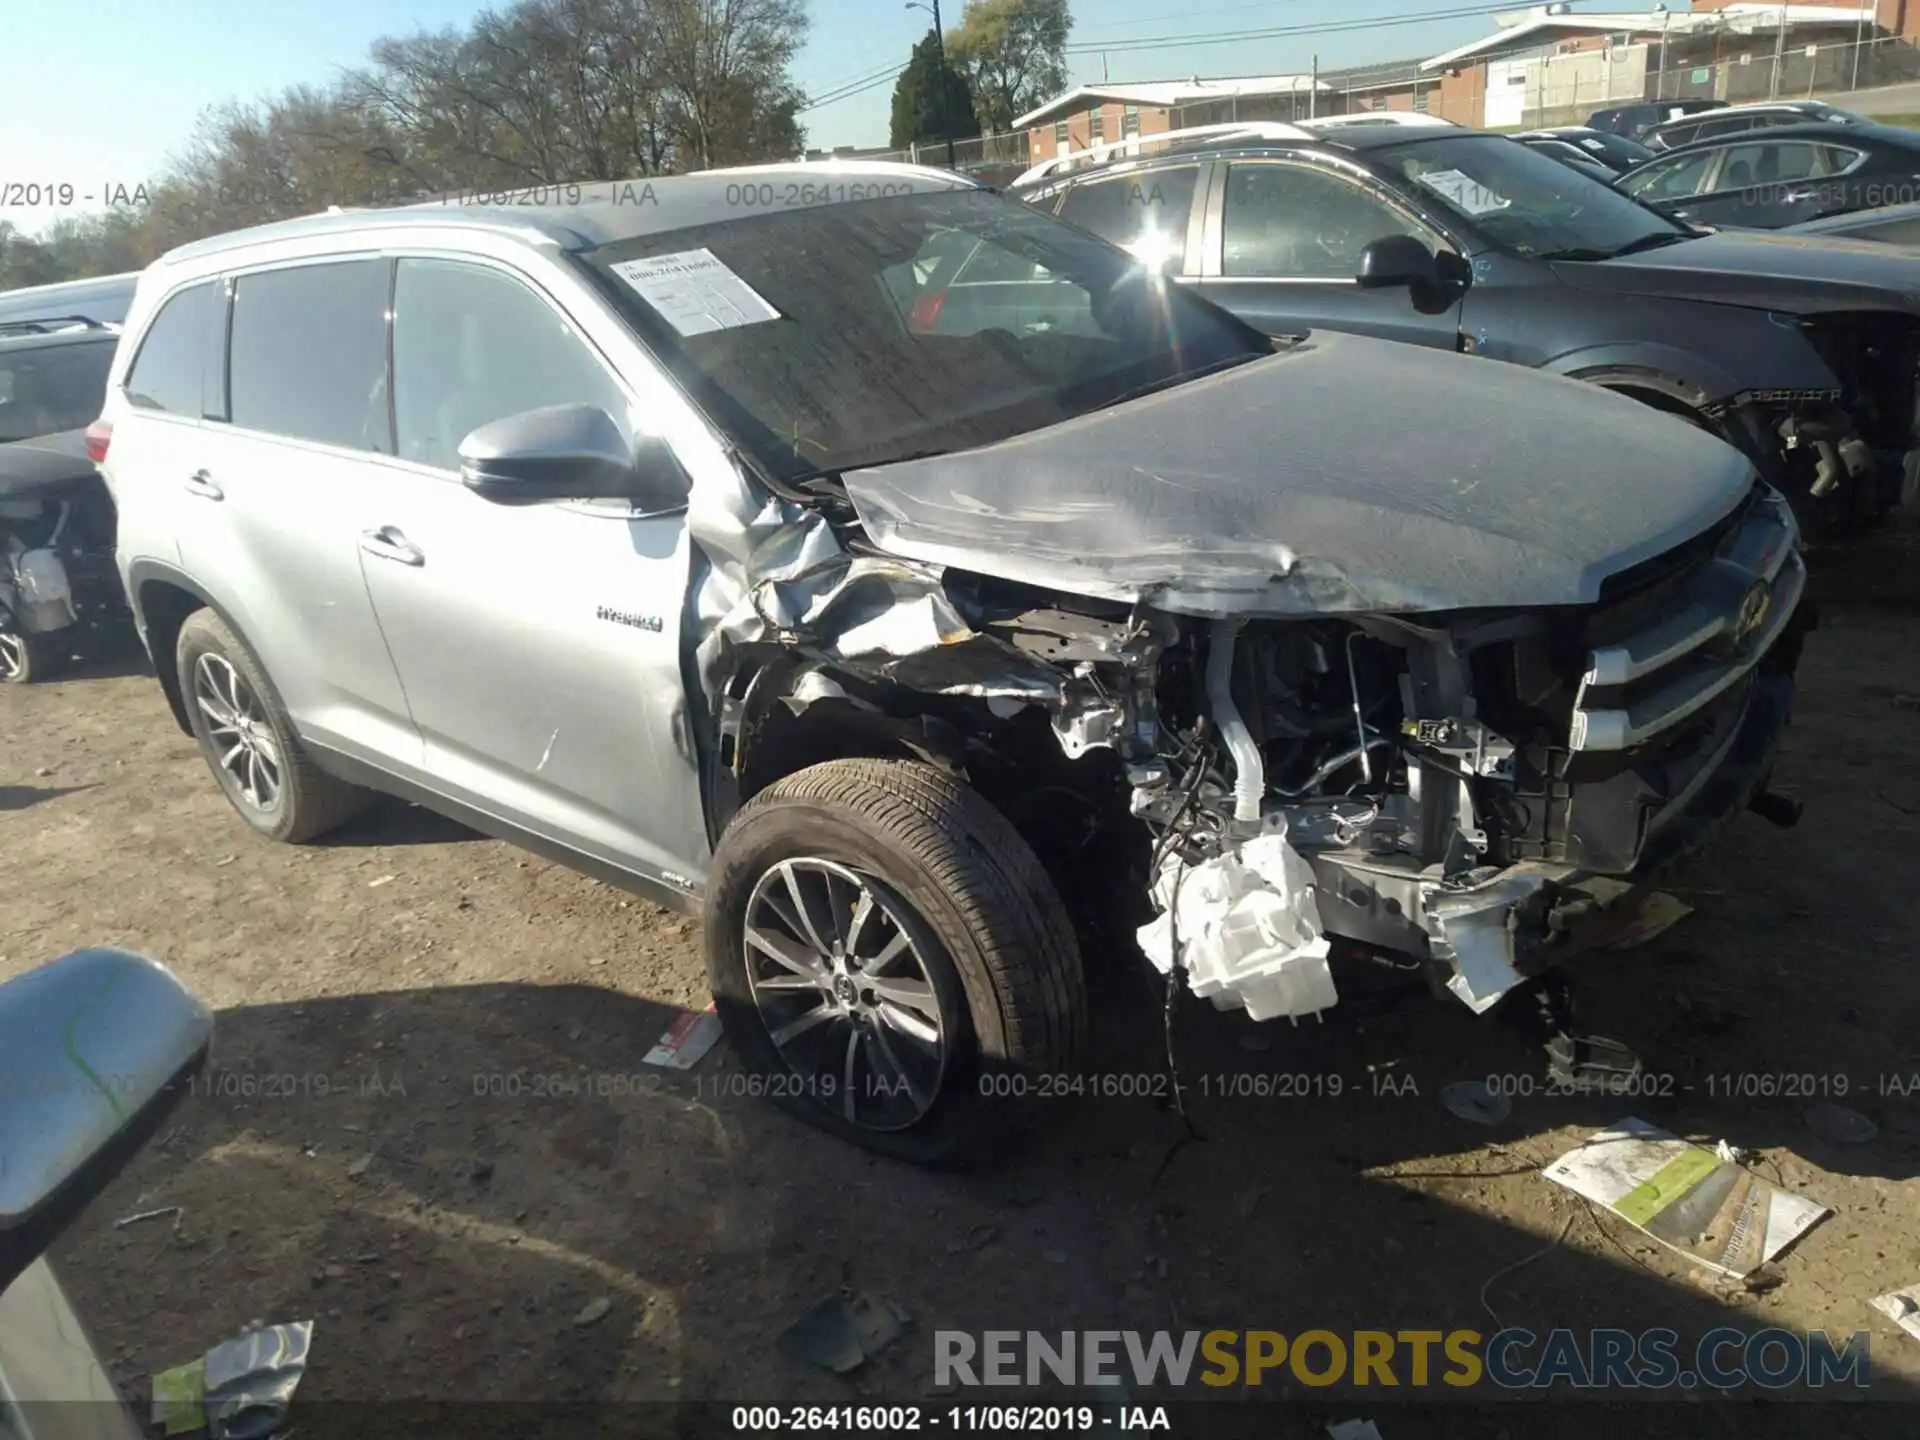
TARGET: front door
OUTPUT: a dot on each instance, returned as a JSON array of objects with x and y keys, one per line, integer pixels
[
  {"x": 539, "y": 645},
  {"x": 1283, "y": 243}
]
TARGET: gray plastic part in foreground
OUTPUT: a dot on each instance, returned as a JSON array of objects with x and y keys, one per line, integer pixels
[
  {"x": 1344, "y": 475},
  {"x": 86, "y": 1043}
]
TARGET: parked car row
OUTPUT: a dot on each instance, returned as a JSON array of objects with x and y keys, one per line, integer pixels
[
  {"x": 945, "y": 592},
  {"x": 56, "y": 519},
  {"x": 1802, "y": 356}
]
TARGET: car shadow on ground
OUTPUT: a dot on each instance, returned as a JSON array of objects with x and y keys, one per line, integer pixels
[
  {"x": 24, "y": 797},
  {"x": 480, "y": 1193}
]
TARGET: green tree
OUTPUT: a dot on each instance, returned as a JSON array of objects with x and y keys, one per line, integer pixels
[
  {"x": 540, "y": 92},
  {"x": 931, "y": 101},
  {"x": 1014, "y": 54}
]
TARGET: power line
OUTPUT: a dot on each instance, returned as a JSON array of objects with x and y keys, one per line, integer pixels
[{"x": 848, "y": 92}]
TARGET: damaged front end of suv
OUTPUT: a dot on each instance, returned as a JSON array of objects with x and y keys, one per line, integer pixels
[
  {"x": 1061, "y": 615},
  {"x": 1447, "y": 729}
]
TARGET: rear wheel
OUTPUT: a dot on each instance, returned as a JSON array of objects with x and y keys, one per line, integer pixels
[
  {"x": 883, "y": 946},
  {"x": 249, "y": 743},
  {"x": 26, "y": 658}
]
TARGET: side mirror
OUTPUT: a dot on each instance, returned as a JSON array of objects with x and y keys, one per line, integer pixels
[
  {"x": 570, "y": 452},
  {"x": 95, "y": 1049},
  {"x": 1395, "y": 260}
]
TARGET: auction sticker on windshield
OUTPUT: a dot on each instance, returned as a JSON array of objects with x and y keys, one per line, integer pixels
[
  {"x": 695, "y": 292},
  {"x": 1464, "y": 191}
]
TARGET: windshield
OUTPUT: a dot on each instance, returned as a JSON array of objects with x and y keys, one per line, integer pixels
[
  {"x": 45, "y": 389},
  {"x": 835, "y": 336},
  {"x": 1524, "y": 202}
]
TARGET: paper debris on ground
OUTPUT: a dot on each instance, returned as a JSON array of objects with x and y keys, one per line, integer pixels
[
  {"x": 1902, "y": 1306},
  {"x": 686, "y": 1041},
  {"x": 1686, "y": 1196},
  {"x": 179, "y": 1399},
  {"x": 238, "y": 1390},
  {"x": 1352, "y": 1430},
  {"x": 251, "y": 1378}
]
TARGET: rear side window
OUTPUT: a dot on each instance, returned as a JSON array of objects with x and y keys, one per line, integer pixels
[
  {"x": 309, "y": 354},
  {"x": 1144, "y": 213},
  {"x": 470, "y": 346},
  {"x": 1673, "y": 179},
  {"x": 178, "y": 368},
  {"x": 47, "y": 389}
]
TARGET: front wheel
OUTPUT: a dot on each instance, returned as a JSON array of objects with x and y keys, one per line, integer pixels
[{"x": 884, "y": 947}]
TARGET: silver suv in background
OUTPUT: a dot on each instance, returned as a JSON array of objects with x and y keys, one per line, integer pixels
[{"x": 743, "y": 538}]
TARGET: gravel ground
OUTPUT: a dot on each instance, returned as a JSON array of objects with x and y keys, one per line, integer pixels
[{"x": 370, "y": 1151}]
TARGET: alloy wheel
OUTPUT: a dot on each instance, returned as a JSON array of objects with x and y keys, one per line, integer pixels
[
  {"x": 242, "y": 736},
  {"x": 845, "y": 992},
  {"x": 13, "y": 656}
]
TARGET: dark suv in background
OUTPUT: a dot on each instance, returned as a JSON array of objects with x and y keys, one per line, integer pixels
[
  {"x": 1634, "y": 121},
  {"x": 1803, "y": 354}
]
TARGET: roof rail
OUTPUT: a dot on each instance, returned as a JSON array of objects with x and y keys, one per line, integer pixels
[
  {"x": 48, "y": 324},
  {"x": 1102, "y": 151}
]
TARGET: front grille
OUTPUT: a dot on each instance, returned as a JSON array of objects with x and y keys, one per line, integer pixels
[{"x": 1652, "y": 665}]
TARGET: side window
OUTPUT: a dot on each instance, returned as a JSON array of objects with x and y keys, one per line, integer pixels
[
  {"x": 1673, "y": 179},
  {"x": 1292, "y": 222},
  {"x": 472, "y": 345},
  {"x": 1838, "y": 159},
  {"x": 1144, "y": 213},
  {"x": 309, "y": 354},
  {"x": 177, "y": 369}
]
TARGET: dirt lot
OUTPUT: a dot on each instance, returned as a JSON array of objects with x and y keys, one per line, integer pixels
[{"x": 450, "y": 1240}]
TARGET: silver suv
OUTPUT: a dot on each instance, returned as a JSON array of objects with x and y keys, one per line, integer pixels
[{"x": 932, "y": 596}]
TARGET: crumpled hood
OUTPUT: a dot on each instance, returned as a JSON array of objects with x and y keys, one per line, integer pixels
[
  {"x": 1343, "y": 475},
  {"x": 1762, "y": 270}
]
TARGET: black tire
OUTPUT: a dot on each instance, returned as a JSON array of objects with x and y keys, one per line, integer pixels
[
  {"x": 28, "y": 658},
  {"x": 307, "y": 802},
  {"x": 986, "y": 925}
]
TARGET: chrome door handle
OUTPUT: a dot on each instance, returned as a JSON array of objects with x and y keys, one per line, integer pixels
[
  {"x": 201, "y": 483},
  {"x": 389, "y": 544}
]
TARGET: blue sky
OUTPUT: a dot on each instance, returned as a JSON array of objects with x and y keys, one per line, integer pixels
[{"x": 123, "y": 80}]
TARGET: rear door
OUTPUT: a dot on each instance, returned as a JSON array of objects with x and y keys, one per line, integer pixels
[
  {"x": 175, "y": 386},
  {"x": 278, "y": 490},
  {"x": 1282, "y": 245},
  {"x": 1764, "y": 184}
]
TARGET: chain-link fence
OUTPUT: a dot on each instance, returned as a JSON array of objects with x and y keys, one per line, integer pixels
[
  {"x": 1533, "y": 91},
  {"x": 1564, "y": 89}
]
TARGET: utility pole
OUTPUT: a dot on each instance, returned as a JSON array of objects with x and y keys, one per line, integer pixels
[
  {"x": 1660, "y": 84},
  {"x": 1779, "y": 52},
  {"x": 1313, "y": 91},
  {"x": 1859, "y": 39},
  {"x": 940, "y": 54}
]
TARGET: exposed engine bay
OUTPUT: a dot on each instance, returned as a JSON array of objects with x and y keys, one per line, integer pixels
[{"x": 1470, "y": 794}]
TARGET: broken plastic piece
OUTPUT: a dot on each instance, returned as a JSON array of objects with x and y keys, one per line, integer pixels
[
  {"x": 1902, "y": 1306},
  {"x": 842, "y": 1333},
  {"x": 1250, "y": 935},
  {"x": 685, "y": 1043},
  {"x": 1475, "y": 1101},
  {"x": 1476, "y": 934}
]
